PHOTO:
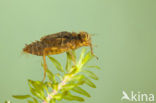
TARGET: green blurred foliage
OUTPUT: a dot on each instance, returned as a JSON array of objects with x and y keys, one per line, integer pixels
[{"x": 70, "y": 80}]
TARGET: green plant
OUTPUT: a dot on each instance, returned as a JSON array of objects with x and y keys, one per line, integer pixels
[{"x": 61, "y": 85}]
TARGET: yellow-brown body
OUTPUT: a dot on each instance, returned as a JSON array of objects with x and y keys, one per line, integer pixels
[{"x": 58, "y": 43}]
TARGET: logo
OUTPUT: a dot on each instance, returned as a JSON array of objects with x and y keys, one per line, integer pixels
[{"x": 137, "y": 96}]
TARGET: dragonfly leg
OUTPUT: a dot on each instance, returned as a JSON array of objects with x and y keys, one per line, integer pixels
[
  {"x": 44, "y": 66},
  {"x": 72, "y": 57},
  {"x": 91, "y": 48}
]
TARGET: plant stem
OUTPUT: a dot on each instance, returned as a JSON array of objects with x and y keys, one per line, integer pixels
[{"x": 65, "y": 80}]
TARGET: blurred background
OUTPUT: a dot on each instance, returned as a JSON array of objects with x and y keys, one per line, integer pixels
[{"x": 125, "y": 35}]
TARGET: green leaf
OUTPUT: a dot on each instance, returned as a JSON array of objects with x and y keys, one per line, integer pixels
[
  {"x": 21, "y": 96},
  {"x": 89, "y": 83},
  {"x": 87, "y": 58},
  {"x": 78, "y": 77},
  {"x": 57, "y": 64},
  {"x": 51, "y": 76},
  {"x": 37, "y": 85},
  {"x": 69, "y": 62},
  {"x": 97, "y": 67},
  {"x": 25, "y": 97},
  {"x": 72, "y": 56},
  {"x": 90, "y": 74},
  {"x": 55, "y": 86},
  {"x": 7, "y": 102},
  {"x": 58, "y": 96},
  {"x": 64, "y": 92},
  {"x": 34, "y": 99},
  {"x": 73, "y": 53},
  {"x": 29, "y": 101},
  {"x": 71, "y": 97},
  {"x": 74, "y": 70},
  {"x": 52, "y": 101},
  {"x": 69, "y": 86},
  {"x": 82, "y": 55},
  {"x": 51, "y": 85},
  {"x": 59, "y": 76},
  {"x": 36, "y": 91},
  {"x": 81, "y": 91}
]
